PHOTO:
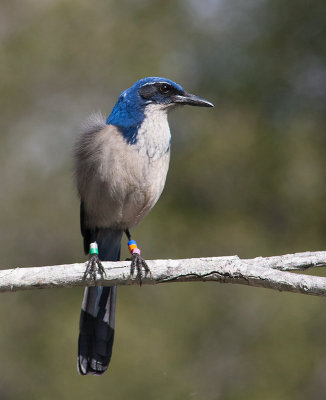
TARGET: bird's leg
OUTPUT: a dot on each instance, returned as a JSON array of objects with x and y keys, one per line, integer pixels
[
  {"x": 94, "y": 264},
  {"x": 137, "y": 262}
]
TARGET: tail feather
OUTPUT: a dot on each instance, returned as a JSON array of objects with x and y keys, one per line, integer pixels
[{"x": 97, "y": 319}]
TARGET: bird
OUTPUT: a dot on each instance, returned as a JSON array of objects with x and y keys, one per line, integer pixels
[{"x": 121, "y": 165}]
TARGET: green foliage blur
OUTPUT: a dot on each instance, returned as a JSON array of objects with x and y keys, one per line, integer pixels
[{"x": 247, "y": 177}]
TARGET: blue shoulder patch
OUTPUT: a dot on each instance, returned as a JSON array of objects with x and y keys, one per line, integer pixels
[{"x": 127, "y": 115}]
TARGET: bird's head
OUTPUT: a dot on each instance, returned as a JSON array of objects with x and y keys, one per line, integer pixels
[
  {"x": 155, "y": 94},
  {"x": 161, "y": 92}
]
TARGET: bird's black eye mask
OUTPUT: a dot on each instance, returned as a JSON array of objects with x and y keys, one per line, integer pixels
[{"x": 158, "y": 88}]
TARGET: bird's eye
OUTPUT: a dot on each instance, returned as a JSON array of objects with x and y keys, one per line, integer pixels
[{"x": 164, "y": 89}]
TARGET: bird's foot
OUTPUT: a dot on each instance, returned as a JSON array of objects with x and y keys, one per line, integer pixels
[
  {"x": 138, "y": 264},
  {"x": 93, "y": 267}
]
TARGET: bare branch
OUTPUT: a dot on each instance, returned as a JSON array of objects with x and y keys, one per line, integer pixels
[{"x": 267, "y": 272}]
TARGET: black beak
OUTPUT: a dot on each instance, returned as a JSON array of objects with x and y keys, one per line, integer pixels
[{"x": 191, "y": 100}]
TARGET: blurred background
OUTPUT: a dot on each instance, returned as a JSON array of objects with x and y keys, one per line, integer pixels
[{"x": 247, "y": 178}]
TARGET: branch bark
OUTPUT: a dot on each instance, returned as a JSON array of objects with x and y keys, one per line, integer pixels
[{"x": 267, "y": 272}]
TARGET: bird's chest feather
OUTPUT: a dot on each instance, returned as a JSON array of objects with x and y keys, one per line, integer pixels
[
  {"x": 133, "y": 175},
  {"x": 153, "y": 137}
]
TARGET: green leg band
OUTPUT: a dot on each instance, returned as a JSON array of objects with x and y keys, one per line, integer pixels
[{"x": 93, "y": 249}]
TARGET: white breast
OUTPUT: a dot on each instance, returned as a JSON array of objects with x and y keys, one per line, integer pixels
[{"x": 154, "y": 137}]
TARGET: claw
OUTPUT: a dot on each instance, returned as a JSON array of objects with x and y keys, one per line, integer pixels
[
  {"x": 138, "y": 263},
  {"x": 93, "y": 267}
]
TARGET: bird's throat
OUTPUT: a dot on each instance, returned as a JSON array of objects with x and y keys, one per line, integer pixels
[{"x": 153, "y": 136}]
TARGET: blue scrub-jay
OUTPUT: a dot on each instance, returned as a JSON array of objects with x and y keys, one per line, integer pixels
[{"x": 121, "y": 166}]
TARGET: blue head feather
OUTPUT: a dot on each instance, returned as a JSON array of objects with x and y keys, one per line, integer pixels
[{"x": 129, "y": 111}]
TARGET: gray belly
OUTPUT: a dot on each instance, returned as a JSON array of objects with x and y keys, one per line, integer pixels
[{"x": 125, "y": 191}]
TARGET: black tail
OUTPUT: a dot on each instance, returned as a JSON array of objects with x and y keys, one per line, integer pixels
[{"x": 96, "y": 328}]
